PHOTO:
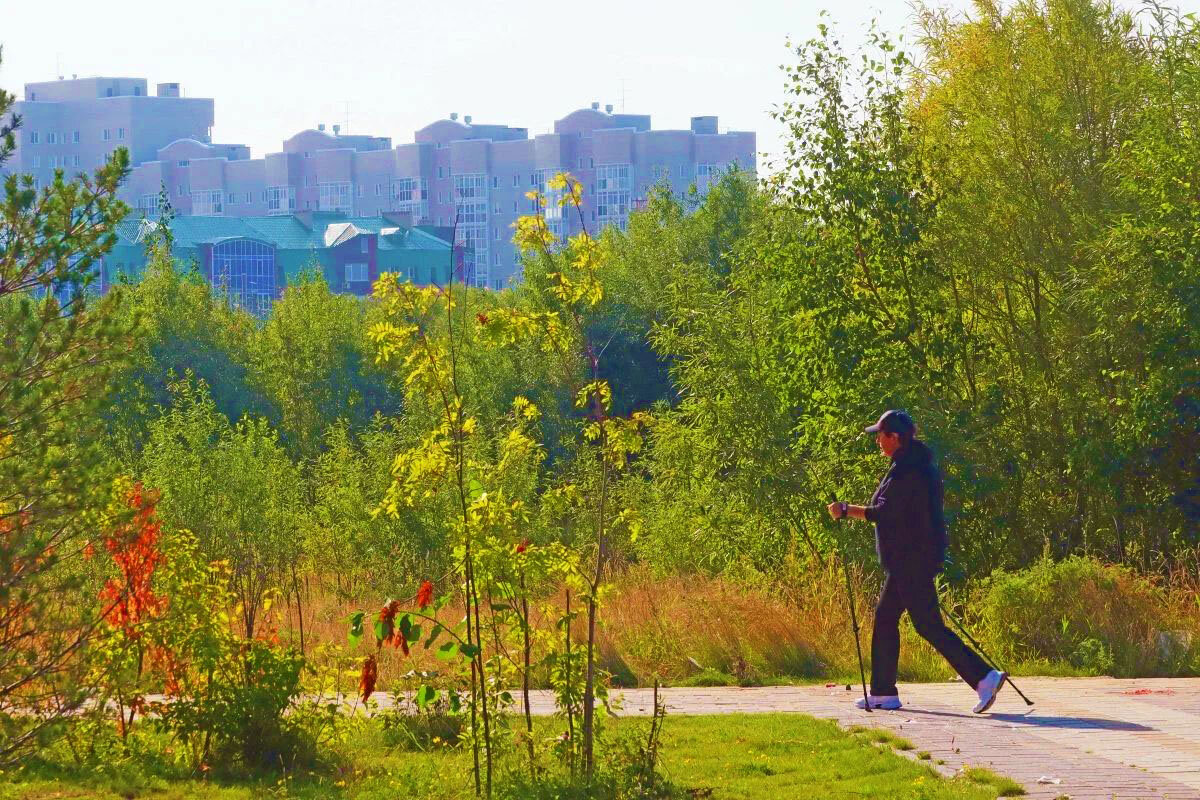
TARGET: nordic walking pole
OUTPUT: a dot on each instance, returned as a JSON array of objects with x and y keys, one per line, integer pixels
[
  {"x": 862, "y": 674},
  {"x": 986, "y": 657},
  {"x": 991, "y": 661}
]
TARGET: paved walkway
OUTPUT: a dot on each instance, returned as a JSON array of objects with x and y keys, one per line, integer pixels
[{"x": 1100, "y": 738}]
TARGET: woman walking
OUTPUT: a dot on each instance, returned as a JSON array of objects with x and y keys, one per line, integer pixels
[{"x": 910, "y": 537}]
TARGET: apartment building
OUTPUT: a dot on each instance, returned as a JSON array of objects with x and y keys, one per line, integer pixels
[
  {"x": 75, "y": 124},
  {"x": 454, "y": 172}
]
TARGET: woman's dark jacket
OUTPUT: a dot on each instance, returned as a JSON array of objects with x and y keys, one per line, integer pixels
[{"x": 910, "y": 529}]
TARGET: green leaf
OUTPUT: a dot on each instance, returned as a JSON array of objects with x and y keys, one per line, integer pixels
[
  {"x": 356, "y": 628},
  {"x": 447, "y": 651},
  {"x": 433, "y": 635},
  {"x": 469, "y": 650},
  {"x": 425, "y": 695}
]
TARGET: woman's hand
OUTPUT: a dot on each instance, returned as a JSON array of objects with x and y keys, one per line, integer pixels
[{"x": 835, "y": 509}]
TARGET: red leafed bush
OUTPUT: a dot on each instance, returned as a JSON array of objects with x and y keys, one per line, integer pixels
[
  {"x": 425, "y": 595},
  {"x": 133, "y": 546},
  {"x": 370, "y": 674}
]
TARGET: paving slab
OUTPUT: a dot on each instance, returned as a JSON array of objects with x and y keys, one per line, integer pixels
[{"x": 1090, "y": 738}]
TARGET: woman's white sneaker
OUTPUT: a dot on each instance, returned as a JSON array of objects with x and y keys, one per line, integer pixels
[
  {"x": 884, "y": 702},
  {"x": 987, "y": 689}
]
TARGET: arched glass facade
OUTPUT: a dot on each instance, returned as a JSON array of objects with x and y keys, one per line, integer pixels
[{"x": 244, "y": 270}]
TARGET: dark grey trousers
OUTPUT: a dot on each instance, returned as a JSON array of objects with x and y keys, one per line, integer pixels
[{"x": 915, "y": 593}]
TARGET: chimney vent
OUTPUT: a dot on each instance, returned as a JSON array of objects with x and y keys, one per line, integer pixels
[
  {"x": 337, "y": 129},
  {"x": 321, "y": 126},
  {"x": 608, "y": 109},
  {"x": 467, "y": 119},
  {"x": 595, "y": 106},
  {"x": 454, "y": 116}
]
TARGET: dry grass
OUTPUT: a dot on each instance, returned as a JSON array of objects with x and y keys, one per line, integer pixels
[
  {"x": 802, "y": 630},
  {"x": 680, "y": 626}
]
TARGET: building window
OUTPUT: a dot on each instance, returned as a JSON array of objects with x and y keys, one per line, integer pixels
[
  {"x": 495, "y": 182},
  {"x": 532, "y": 179},
  {"x": 179, "y": 191},
  {"x": 707, "y": 176},
  {"x": 75, "y": 137},
  {"x": 33, "y": 137},
  {"x": 360, "y": 190},
  {"x": 581, "y": 163},
  {"x": 37, "y": 162},
  {"x": 280, "y": 199},
  {"x": 440, "y": 173},
  {"x": 308, "y": 154},
  {"x": 515, "y": 206},
  {"x": 250, "y": 197},
  {"x": 207, "y": 203},
  {"x": 378, "y": 189},
  {"x": 148, "y": 205},
  {"x": 516, "y": 180},
  {"x": 51, "y": 161},
  {"x": 497, "y": 284},
  {"x": 612, "y": 194},
  {"x": 264, "y": 195},
  {"x": 51, "y": 138},
  {"x": 365, "y": 246},
  {"x": 471, "y": 210},
  {"x": 108, "y": 92},
  {"x": 591, "y": 162},
  {"x": 183, "y": 162},
  {"x": 75, "y": 159},
  {"x": 137, "y": 91},
  {"x": 411, "y": 196},
  {"x": 232, "y": 199},
  {"x": 335, "y": 196},
  {"x": 120, "y": 133},
  {"x": 356, "y": 273},
  {"x": 243, "y": 272},
  {"x": 305, "y": 181},
  {"x": 552, "y": 199},
  {"x": 107, "y": 134}
]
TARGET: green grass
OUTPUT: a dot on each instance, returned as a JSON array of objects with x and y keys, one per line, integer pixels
[
  {"x": 723, "y": 757},
  {"x": 1004, "y": 787},
  {"x": 882, "y": 736},
  {"x": 792, "y": 755}
]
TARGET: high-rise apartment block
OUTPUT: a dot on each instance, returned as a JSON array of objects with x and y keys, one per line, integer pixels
[
  {"x": 76, "y": 124},
  {"x": 455, "y": 172}
]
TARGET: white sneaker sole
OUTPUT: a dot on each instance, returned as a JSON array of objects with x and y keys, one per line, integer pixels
[
  {"x": 984, "y": 705},
  {"x": 886, "y": 705}
]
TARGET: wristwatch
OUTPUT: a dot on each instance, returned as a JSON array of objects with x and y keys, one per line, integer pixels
[{"x": 845, "y": 507}]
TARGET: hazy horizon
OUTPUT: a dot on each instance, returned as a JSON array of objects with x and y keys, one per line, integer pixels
[{"x": 377, "y": 69}]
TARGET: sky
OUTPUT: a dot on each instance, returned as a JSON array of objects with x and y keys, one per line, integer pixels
[{"x": 389, "y": 67}]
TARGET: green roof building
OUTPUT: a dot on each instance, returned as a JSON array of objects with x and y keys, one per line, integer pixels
[{"x": 253, "y": 258}]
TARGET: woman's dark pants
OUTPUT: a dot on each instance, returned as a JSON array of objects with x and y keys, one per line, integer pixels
[{"x": 914, "y": 591}]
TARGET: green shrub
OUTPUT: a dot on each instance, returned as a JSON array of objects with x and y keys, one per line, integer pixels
[{"x": 1100, "y": 618}]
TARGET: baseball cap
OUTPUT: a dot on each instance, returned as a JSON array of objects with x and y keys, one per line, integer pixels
[{"x": 893, "y": 421}]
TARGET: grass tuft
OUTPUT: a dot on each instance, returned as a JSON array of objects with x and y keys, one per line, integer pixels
[{"x": 1005, "y": 787}]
